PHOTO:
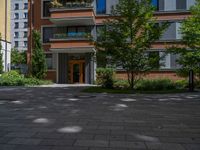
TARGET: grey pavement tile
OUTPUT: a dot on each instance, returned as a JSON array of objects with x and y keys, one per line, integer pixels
[
  {"x": 110, "y": 137},
  {"x": 20, "y": 134},
  {"x": 4, "y": 140},
  {"x": 79, "y": 136},
  {"x": 162, "y": 125},
  {"x": 69, "y": 148},
  {"x": 176, "y": 140},
  {"x": 164, "y": 146},
  {"x": 57, "y": 142},
  {"x": 48, "y": 135},
  {"x": 7, "y": 147},
  {"x": 25, "y": 141},
  {"x": 27, "y": 147},
  {"x": 192, "y": 146},
  {"x": 92, "y": 143},
  {"x": 122, "y": 144},
  {"x": 97, "y": 148}
]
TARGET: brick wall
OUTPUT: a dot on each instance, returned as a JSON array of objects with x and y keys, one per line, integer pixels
[
  {"x": 51, "y": 75},
  {"x": 152, "y": 75}
]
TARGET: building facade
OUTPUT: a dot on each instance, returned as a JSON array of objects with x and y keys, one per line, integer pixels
[
  {"x": 67, "y": 31},
  {"x": 19, "y": 24},
  {"x": 5, "y": 33}
]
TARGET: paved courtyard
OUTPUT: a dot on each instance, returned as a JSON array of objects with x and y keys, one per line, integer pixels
[{"x": 65, "y": 119}]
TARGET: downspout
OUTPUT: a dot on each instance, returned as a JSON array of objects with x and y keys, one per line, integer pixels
[
  {"x": 6, "y": 51},
  {"x": 29, "y": 55}
]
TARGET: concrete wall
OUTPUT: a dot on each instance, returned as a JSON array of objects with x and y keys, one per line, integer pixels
[
  {"x": 5, "y": 20},
  {"x": 109, "y": 4},
  {"x": 190, "y": 3}
]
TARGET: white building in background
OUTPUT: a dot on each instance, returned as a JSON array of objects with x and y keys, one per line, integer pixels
[
  {"x": 5, "y": 40},
  {"x": 19, "y": 24}
]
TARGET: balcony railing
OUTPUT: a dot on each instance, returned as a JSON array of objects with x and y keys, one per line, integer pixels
[
  {"x": 73, "y": 36},
  {"x": 71, "y": 4}
]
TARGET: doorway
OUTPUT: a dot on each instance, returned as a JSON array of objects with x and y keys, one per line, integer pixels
[{"x": 77, "y": 71}]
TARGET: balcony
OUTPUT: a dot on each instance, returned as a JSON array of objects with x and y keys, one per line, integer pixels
[
  {"x": 72, "y": 13},
  {"x": 72, "y": 42}
]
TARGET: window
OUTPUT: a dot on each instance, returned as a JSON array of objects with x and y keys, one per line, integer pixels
[
  {"x": 25, "y": 44},
  {"x": 47, "y": 34},
  {"x": 25, "y": 5},
  {"x": 101, "y": 6},
  {"x": 155, "y": 4},
  {"x": 25, "y": 15},
  {"x": 181, "y": 4},
  {"x": 49, "y": 61},
  {"x": 16, "y": 44},
  {"x": 16, "y": 25},
  {"x": 16, "y": 6},
  {"x": 46, "y": 7},
  {"x": 16, "y": 35},
  {"x": 25, "y": 34},
  {"x": 25, "y": 24},
  {"x": 16, "y": 16}
]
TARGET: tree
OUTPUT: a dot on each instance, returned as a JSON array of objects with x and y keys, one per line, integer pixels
[
  {"x": 128, "y": 36},
  {"x": 18, "y": 57},
  {"x": 189, "y": 53},
  {"x": 1, "y": 56},
  {"x": 39, "y": 67}
]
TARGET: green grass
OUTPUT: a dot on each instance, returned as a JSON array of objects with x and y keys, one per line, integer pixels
[{"x": 128, "y": 91}]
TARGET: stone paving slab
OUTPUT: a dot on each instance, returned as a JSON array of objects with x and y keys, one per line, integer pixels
[{"x": 63, "y": 118}]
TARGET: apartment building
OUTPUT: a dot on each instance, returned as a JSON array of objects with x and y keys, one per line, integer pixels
[
  {"x": 19, "y": 24},
  {"x": 66, "y": 35},
  {"x": 5, "y": 33}
]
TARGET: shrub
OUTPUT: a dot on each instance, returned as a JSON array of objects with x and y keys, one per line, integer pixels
[
  {"x": 34, "y": 81},
  {"x": 121, "y": 84},
  {"x": 155, "y": 85},
  {"x": 105, "y": 77},
  {"x": 181, "y": 84},
  {"x": 13, "y": 78}
]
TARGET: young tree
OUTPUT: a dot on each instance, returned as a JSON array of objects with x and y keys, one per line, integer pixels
[
  {"x": 39, "y": 67},
  {"x": 1, "y": 57},
  {"x": 190, "y": 52},
  {"x": 128, "y": 35},
  {"x": 18, "y": 57}
]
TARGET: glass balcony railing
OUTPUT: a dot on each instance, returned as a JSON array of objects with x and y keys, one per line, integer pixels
[
  {"x": 71, "y": 4},
  {"x": 73, "y": 36}
]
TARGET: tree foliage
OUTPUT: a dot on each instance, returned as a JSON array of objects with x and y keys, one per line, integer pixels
[
  {"x": 190, "y": 53},
  {"x": 39, "y": 67},
  {"x": 1, "y": 56},
  {"x": 129, "y": 34},
  {"x": 18, "y": 57}
]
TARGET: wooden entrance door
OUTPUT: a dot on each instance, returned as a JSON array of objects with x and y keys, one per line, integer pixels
[{"x": 77, "y": 71}]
